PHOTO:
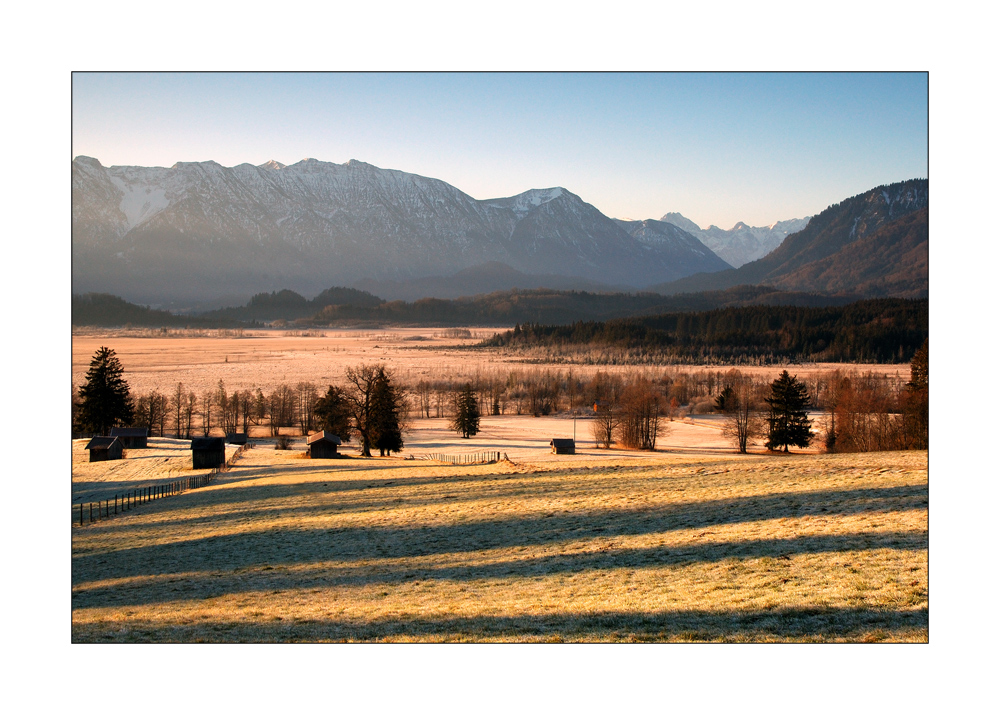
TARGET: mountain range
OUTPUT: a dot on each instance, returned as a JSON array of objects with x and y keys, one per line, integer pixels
[
  {"x": 201, "y": 230},
  {"x": 872, "y": 245},
  {"x": 742, "y": 243}
]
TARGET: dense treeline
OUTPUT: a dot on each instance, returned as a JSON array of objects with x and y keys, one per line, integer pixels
[
  {"x": 882, "y": 330},
  {"x": 105, "y": 310},
  {"x": 289, "y": 305},
  {"x": 554, "y": 306},
  {"x": 339, "y": 306}
]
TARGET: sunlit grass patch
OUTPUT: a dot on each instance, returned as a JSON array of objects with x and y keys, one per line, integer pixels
[{"x": 827, "y": 548}]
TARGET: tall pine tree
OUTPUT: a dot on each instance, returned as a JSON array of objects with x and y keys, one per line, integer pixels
[
  {"x": 466, "y": 420},
  {"x": 787, "y": 423},
  {"x": 387, "y": 409},
  {"x": 916, "y": 405},
  {"x": 105, "y": 400},
  {"x": 333, "y": 413}
]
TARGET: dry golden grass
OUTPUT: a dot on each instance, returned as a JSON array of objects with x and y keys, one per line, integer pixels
[
  {"x": 680, "y": 548},
  {"x": 267, "y": 358}
]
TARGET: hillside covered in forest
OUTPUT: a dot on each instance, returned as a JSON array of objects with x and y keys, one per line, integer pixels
[{"x": 879, "y": 330}]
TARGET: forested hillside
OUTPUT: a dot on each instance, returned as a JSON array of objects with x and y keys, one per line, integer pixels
[
  {"x": 847, "y": 230},
  {"x": 347, "y": 306},
  {"x": 883, "y": 330}
]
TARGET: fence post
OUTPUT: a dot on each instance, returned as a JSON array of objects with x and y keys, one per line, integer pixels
[{"x": 81, "y": 513}]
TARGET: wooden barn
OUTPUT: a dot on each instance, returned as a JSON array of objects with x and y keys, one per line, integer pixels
[
  {"x": 103, "y": 449},
  {"x": 323, "y": 445},
  {"x": 131, "y": 437},
  {"x": 208, "y": 452},
  {"x": 236, "y": 438},
  {"x": 563, "y": 446}
]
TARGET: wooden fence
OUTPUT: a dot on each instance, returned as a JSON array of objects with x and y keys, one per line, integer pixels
[
  {"x": 84, "y": 512},
  {"x": 475, "y": 458}
]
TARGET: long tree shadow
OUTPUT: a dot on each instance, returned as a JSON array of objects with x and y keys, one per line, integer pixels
[
  {"x": 421, "y": 540},
  {"x": 780, "y": 624},
  {"x": 271, "y": 497},
  {"x": 265, "y": 578}
]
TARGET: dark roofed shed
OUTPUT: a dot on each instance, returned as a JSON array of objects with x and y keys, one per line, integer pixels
[
  {"x": 323, "y": 445},
  {"x": 131, "y": 437},
  {"x": 563, "y": 446},
  {"x": 208, "y": 452},
  {"x": 104, "y": 448}
]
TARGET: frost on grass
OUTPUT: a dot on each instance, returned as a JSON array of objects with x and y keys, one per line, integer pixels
[{"x": 670, "y": 548}]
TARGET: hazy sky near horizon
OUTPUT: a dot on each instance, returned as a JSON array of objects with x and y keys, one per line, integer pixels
[{"x": 716, "y": 147}]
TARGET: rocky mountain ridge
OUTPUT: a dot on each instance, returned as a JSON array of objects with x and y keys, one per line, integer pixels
[
  {"x": 200, "y": 229},
  {"x": 742, "y": 243},
  {"x": 874, "y": 244}
]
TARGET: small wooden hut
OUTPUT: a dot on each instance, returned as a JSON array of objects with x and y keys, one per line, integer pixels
[
  {"x": 103, "y": 449},
  {"x": 208, "y": 452},
  {"x": 563, "y": 446},
  {"x": 323, "y": 445},
  {"x": 131, "y": 437},
  {"x": 236, "y": 438}
]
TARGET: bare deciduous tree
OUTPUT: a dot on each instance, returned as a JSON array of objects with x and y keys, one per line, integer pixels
[
  {"x": 281, "y": 408},
  {"x": 606, "y": 392},
  {"x": 376, "y": 407},
  {"x": 177, "y": 402},
  {"x": 151, "y": 412},
  {"x": 207, "y": 402},
  {"x": 642, "y": 406},
  {"x": 741, "y": 407},
  {"x": 864, "y": 414},
  {"x": 306, "y": 397}
]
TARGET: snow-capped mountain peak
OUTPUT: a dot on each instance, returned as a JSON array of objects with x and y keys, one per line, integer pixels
[
  {"x": 523, "y": 203},
  {"x": 201, "y": 228},
  {"x": 742, "y": 243}
]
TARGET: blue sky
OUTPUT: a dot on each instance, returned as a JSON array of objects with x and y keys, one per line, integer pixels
[{"x": 718, "y": 148}]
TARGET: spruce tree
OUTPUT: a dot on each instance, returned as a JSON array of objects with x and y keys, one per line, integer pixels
[
  {"x": 787, "y": 423},
  {"x": 105, "y": 400},
  {"x": 466, "y": 420},
  {"x": 387, "y": 408},
  {"x": 916, "y": 402},
  {"x": 333, "y": 413},
  {"x": 726, "y": 401}
]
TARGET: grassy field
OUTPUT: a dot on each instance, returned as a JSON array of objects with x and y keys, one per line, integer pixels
[
  {"x": 672, "y": 548},
  {"x": 266, "y": 358}
]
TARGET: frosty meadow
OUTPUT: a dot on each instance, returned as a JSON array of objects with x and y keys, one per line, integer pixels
[{"x": 689, "y": 542}]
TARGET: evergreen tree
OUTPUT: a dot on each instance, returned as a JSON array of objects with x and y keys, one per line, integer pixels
[
  {"x": 726, "y": 401},
  {"x": 388, "y": 406},
  {"x": 787, "y": 423},
  {"x": 333, "y": 413},
  {"x": 466, "y": 420},
  {"x": 105, "y": 400},
  {"x": 916, "y": 406}
]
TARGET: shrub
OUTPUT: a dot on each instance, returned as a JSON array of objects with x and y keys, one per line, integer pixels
[
  {"x": 705, "y": 407},
  {"x": 282, "y": 441}
]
